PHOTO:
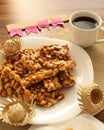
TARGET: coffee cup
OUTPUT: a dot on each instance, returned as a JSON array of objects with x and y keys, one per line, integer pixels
[{"x": 84, "y": 28}]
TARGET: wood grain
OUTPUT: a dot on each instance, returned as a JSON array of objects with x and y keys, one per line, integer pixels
[{"x": 14, "y": 11}]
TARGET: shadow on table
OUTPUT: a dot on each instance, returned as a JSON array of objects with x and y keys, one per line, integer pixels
[{"x": 4, "y": 126}]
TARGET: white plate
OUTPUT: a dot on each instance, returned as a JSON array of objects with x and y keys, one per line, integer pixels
[
  {"x": 83, "y": 72},
  {"x": 68, "y": 107}
]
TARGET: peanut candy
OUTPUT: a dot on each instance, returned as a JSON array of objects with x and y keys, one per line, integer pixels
[
  {"x": 66, "y": 78},
  {"x": 38, "y": 76},
  {"x": 11, "y": 83},
  {"x": 7, "y": 79},
  {"x": 60, "y": 64},
  {"x": 52, "y": 83},
  {"x": 56, "y": 51},
  {"x": 44, "y": 98},
  {"x": 19, "y": 68},
  {"x": 27, "y": 62}
]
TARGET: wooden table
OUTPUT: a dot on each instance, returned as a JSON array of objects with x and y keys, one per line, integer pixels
[{"x": 14, "y": 11}]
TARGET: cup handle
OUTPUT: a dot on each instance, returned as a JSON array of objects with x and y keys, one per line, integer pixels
[{"x": 100, "y": 40}]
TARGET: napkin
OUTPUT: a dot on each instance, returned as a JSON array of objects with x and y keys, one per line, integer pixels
[{"x": 80, "y": 122}]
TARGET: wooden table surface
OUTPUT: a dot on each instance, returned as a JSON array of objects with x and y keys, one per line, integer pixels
[{"x": 14, "y": 11}]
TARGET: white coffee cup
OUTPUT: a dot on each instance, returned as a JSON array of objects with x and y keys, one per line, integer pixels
[{"x": 85, "y": 37}]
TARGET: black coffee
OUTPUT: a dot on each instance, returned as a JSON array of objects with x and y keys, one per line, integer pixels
[{"x": 85, "y": 22}]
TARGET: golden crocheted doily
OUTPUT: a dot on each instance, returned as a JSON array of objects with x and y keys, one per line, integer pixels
[
  {"x": 11, "y": 46},
  {"x": 91, "y": 98}
]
